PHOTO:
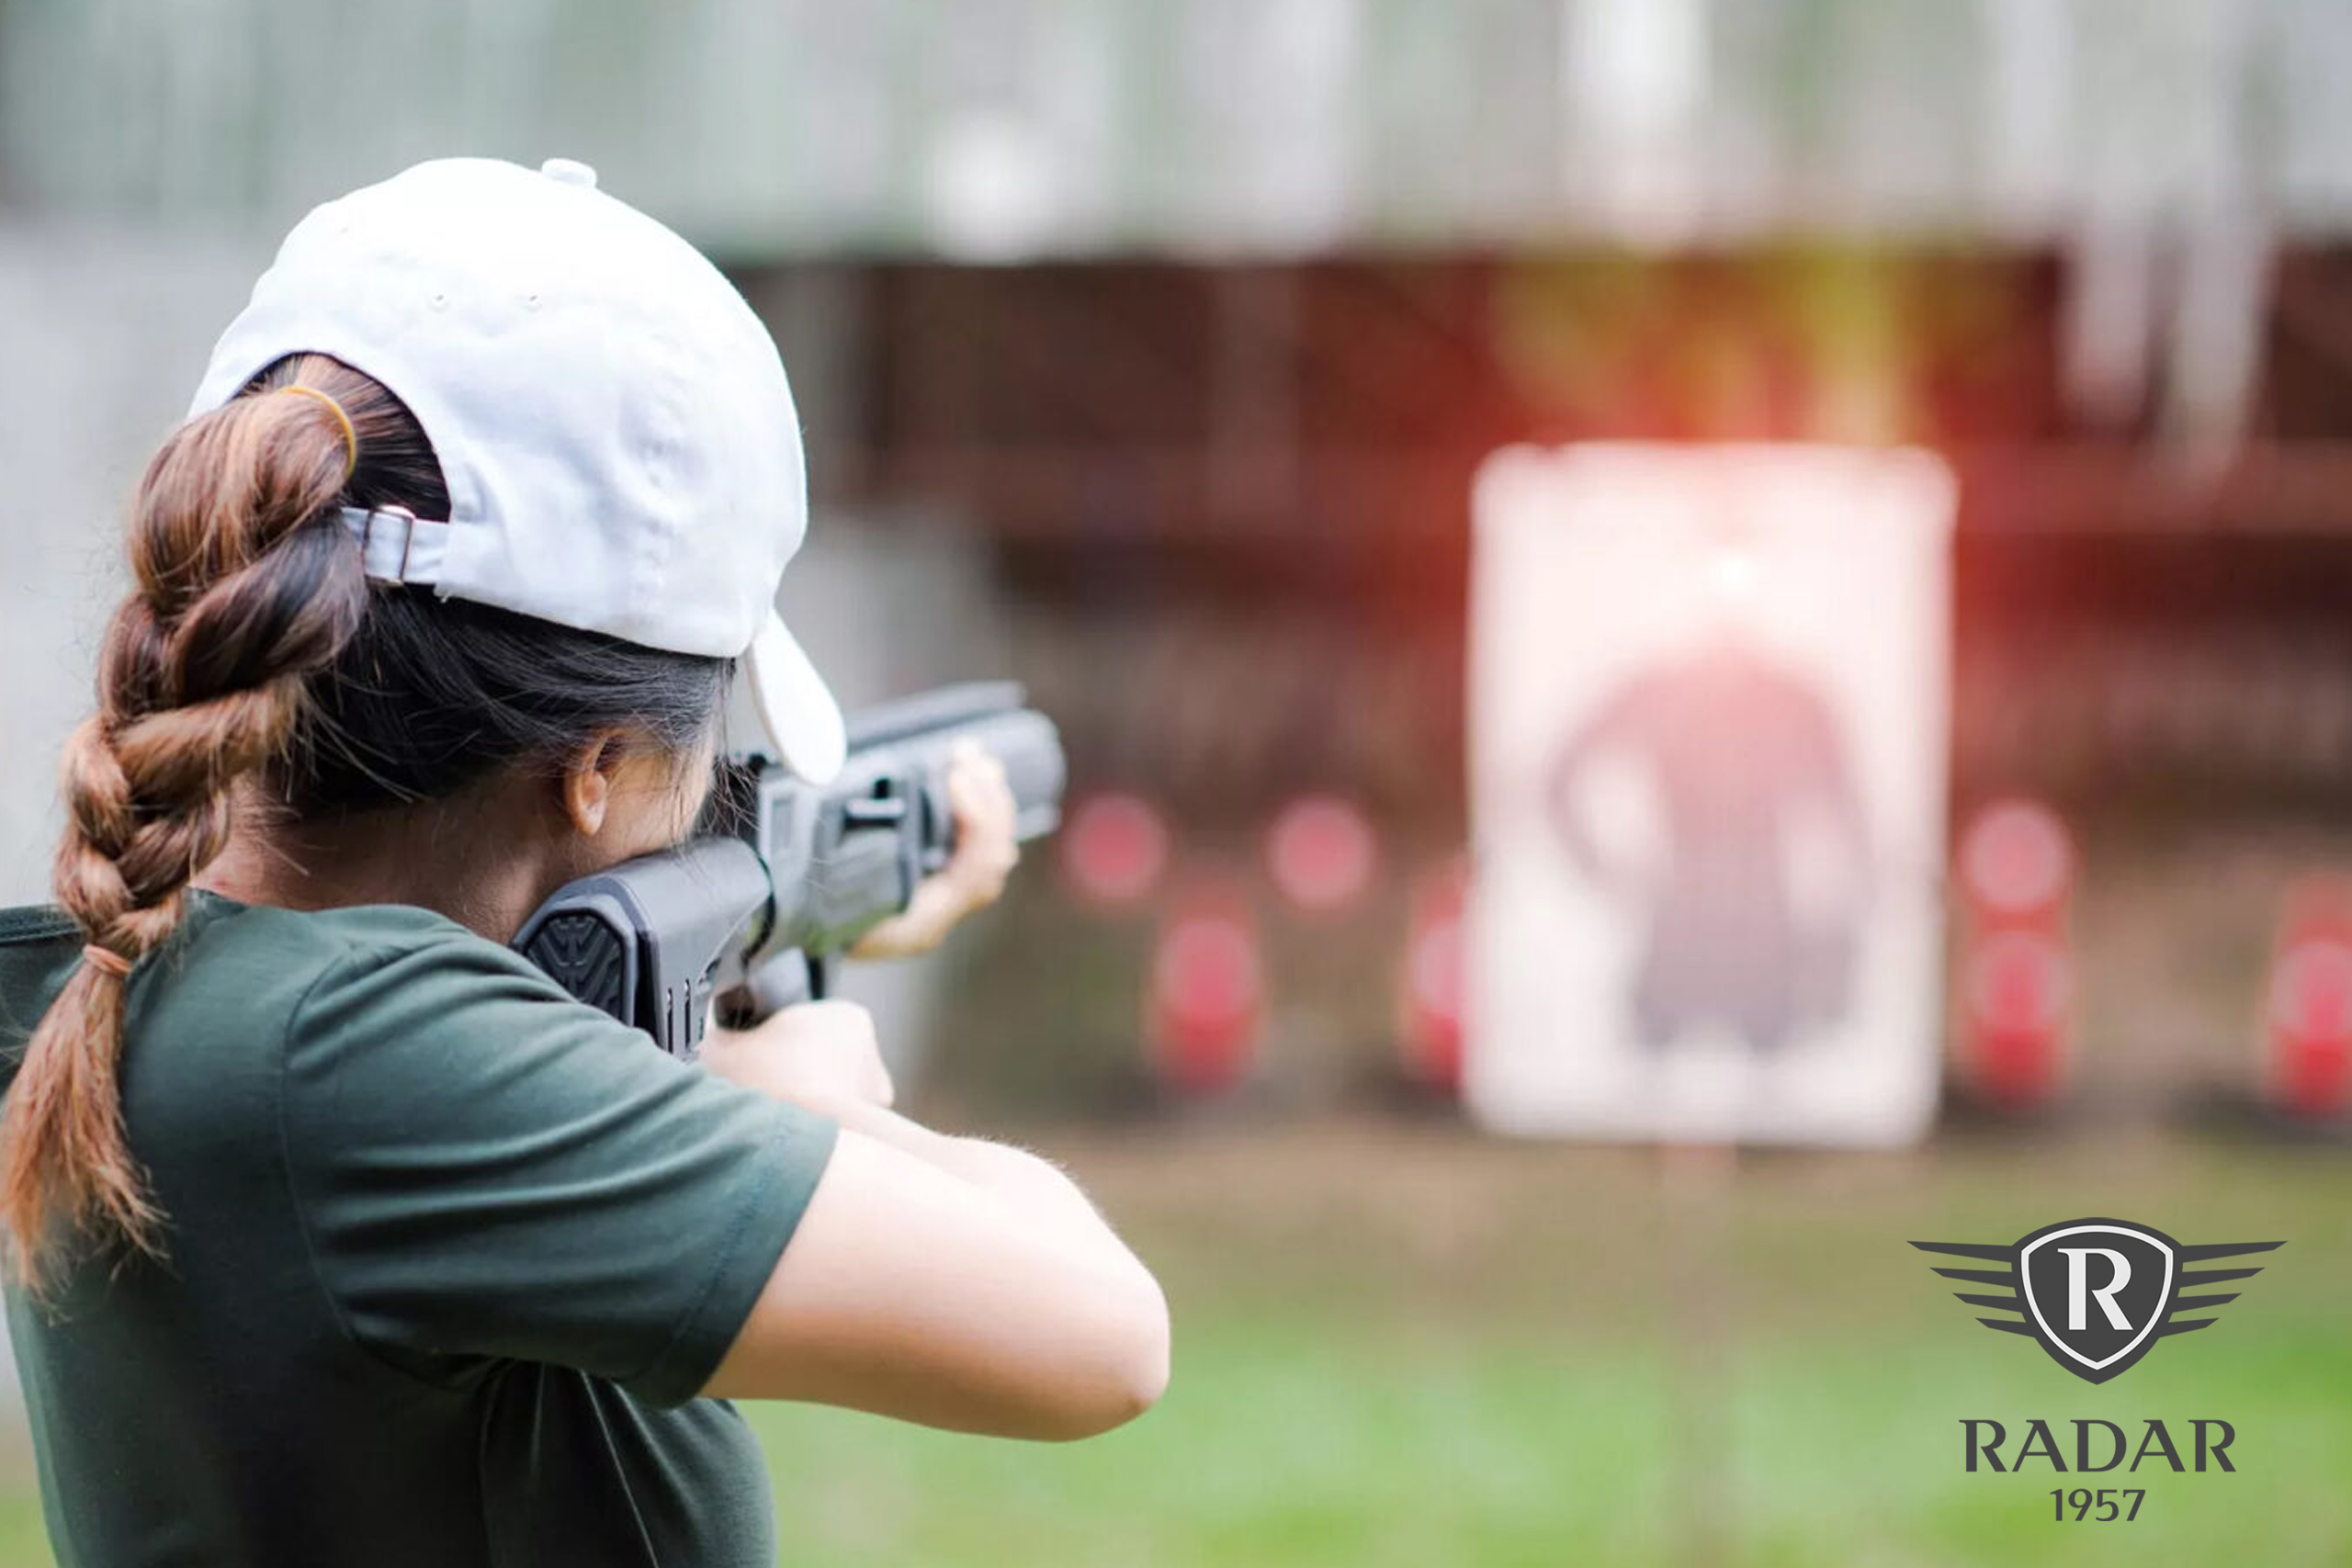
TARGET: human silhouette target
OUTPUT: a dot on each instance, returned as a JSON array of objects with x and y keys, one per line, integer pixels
[
  {"x": 1709, "y": 710},
  {"x": 1741, "y": 753}
]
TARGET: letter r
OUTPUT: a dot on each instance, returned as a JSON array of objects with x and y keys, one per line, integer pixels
[
  {"x": 2078, "y": 1297},
  {"x": 1991, "y": 1451}
]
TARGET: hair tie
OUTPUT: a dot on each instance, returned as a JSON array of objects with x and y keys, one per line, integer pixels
[
  {"x": 108, "y": 959},
  {"x": 350, "y": 433}
]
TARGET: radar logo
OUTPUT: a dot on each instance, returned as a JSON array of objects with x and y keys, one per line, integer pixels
[{"x": 2098, "y": 1294}]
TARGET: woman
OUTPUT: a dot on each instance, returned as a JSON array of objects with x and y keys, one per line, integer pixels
[{"x": 337, "y": 1233}]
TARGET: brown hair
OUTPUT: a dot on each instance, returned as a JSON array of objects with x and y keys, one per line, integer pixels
[{"x": 245, "y": 587}]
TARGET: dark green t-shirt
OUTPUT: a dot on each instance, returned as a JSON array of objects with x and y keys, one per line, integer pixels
[{"x": 449, "y": 1255}]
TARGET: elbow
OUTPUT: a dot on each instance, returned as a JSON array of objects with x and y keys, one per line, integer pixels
[
  {"x": 1129, "y": 1375},
  {"x": 1146, "y": 1368}
]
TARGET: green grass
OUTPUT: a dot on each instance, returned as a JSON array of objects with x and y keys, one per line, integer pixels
[
  {"x": 1288, "y": 1444},
  {"x": 1402, "y": 1346}
]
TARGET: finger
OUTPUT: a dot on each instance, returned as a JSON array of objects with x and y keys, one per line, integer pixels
[
  {"x": 972, "y": 770},
  {"x": 986, "y": 826},
  {"x": 984, "y": 810},
  {"x": 992, "y": 789}
]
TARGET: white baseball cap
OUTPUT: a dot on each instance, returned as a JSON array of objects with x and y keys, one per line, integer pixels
[{"x": 613, "y": 421}]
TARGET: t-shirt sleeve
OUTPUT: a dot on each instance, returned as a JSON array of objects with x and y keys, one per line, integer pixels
[{"x": 486, "y": 1168}]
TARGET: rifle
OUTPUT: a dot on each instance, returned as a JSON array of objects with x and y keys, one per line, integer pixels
[{"x": 754, "y": 913}]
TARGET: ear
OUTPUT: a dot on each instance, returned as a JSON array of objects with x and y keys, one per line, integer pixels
[{"x": 588, "y": 783}]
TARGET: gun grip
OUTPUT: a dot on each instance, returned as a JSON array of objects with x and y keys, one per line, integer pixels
[{"x": 786, "y": 980}]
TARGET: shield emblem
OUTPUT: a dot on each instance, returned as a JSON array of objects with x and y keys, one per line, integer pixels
[{"x": 2097, "y": 1293}]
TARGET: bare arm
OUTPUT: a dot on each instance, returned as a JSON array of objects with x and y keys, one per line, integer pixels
[{"x": 947, "y": 1281}]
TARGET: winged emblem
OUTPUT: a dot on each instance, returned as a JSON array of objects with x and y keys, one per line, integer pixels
[{"x": 2097, "y": 1294}]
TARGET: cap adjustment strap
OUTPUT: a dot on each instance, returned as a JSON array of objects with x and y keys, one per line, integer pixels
[{"x": 395, "y": 547}]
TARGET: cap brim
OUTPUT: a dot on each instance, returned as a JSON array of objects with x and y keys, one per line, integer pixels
[{"x": 793, "y": 703}]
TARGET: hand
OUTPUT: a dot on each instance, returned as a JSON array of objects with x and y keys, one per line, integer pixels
[
  {"x": 985, "y": 852},
  {"x": 986, "y": 821},
  {"x": 819, "y": 1054}
]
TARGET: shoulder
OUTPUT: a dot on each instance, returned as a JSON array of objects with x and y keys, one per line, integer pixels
[
  {"x": 37, "y": 945},
  {"x": 347, "y": 946},
  {"x": 415, "y": 1043},
  {"x": 31, "y": 924},
  {"x": 251, "y": 974},
  {"x": 311, "y": 955},
  {"x": 217, "y": 930},
  {"x": 248, "y": 961},
  {"x": 388, "y": 985},
  {"x": 383, "y": 1012}
]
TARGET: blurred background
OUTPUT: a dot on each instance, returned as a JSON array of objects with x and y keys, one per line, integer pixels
[{"x": 1147, "y": 353}]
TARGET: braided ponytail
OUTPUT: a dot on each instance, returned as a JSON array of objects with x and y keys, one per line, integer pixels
[{"x": 245, "y": 588}]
